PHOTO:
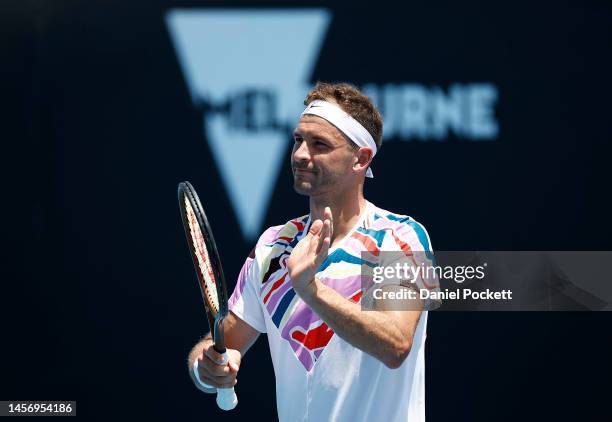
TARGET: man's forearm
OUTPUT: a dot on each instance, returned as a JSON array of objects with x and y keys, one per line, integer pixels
[
  {"x": 385, "y": 335},
  {"x": 238, "y": 335}
]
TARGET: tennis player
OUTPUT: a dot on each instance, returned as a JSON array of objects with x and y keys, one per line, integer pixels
[{"x": 302, "y": 284}]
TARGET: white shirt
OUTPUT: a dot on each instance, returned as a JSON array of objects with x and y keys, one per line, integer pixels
[{"x": 319, "y": 376}]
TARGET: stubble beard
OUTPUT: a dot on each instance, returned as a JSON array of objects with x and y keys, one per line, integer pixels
[{"x": 315, "y": 185}]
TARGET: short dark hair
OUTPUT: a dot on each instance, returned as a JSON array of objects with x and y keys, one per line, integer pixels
[{"x": 353, "y": 102}]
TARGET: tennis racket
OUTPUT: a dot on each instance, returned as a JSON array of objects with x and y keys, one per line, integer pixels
[{"x": 210, "y": 278}]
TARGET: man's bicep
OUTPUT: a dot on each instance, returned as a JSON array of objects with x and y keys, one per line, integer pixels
[{"x": 238, "y": 334}]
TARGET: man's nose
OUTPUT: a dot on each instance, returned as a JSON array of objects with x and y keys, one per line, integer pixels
[{"x": 301, "y": 152}]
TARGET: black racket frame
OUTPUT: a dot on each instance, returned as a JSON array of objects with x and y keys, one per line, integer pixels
[{"x": 215, "y": 321}]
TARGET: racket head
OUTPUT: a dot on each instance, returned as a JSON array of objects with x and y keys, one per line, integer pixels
[{"x": 206, "y": 260}]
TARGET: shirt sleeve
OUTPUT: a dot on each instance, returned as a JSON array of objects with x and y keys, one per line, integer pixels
[
  {"x": 245, "y": 302},
  {"x": 413, "y": 260}
]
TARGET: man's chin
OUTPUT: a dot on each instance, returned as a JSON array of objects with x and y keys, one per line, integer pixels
[{"x": 303, "y": 188}]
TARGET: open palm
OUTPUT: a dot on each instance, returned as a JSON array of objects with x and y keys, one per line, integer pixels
[{"x": 310, "y": 252}]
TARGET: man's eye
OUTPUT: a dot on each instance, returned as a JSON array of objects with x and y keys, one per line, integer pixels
[
  {"x": 297, "y": 139},
  {"x": 321, "y": 144}
]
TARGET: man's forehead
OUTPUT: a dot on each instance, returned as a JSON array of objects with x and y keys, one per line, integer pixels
[{"x": 310, "y": 124}]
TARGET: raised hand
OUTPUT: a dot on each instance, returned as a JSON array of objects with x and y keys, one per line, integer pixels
[{"x": 310, "y": 252}]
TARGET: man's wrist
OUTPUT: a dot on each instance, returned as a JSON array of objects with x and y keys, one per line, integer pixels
[
  {"x": 197, "y": 350},
  {"x": 309, "y": 291}
]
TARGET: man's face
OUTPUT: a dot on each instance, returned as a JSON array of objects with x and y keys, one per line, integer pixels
[{"x": 322, "y": 157}]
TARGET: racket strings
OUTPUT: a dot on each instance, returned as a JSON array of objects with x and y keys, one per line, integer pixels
[{"x": 203, "y": 259}]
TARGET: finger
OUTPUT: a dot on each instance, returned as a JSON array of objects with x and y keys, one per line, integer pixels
[
  {"x": 213, "y": 355},
  {"x": 224, "y": 380},
  {"x": 316, "y": 227},
  {"x": 233, "y": 366},
  {"x": 234, "y": 357},
  {"x": 211, "y": 379},
  {"x": 314, "y": 236},
  {"x": 329, "y": 216},
  {"x": 229, "y": 384},
  {"x": 219, "y": 382},
  {"x": 321, "y": 237},
  {"x": 212, "y": 369},
  {"x": 324, "y": 242}
]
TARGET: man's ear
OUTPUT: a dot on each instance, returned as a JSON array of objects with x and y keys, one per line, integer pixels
[{"x": 362, "y": 158}]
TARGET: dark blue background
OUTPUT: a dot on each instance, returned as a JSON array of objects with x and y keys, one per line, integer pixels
[{"x": 99, "y": 302}]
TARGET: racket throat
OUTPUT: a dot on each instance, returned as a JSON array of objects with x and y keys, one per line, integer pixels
[{"x": 219, "y": 336}]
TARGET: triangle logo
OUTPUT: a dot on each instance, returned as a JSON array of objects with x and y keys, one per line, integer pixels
[{"x": 248, "y": 71}]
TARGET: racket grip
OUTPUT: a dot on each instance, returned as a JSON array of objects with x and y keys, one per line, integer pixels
[{"x": 226, "y": 397}]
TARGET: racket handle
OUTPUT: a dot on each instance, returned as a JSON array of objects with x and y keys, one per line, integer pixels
[{"x": 226, "y": 397}]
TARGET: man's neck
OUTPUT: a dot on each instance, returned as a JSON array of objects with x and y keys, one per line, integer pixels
[{"x": 346, "y": 211}]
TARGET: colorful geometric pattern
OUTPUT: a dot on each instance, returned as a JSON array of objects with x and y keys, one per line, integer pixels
[{"x": 306, "y": 333}]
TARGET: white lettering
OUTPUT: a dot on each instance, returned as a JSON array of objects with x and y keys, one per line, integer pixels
[{"x": 414, "y": 111}]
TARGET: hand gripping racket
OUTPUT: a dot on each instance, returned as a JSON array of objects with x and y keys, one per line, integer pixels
[{"x": 210, "y": 277}]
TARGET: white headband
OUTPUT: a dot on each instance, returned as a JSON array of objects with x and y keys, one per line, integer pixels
[{"x": 345, "y": 123}]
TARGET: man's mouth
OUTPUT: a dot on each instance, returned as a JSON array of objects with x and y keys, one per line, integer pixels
[{"x": 302, "y": 171}]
